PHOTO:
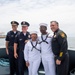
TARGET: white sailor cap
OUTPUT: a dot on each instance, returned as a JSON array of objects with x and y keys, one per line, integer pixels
[
  {"x": 33, "y": 32},
  {"x": 43, "y": 24}
]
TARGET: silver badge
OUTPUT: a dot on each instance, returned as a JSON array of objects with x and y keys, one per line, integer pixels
[
  {"x": 12, "y": 35},
  {"x": 20, "y": 39}
]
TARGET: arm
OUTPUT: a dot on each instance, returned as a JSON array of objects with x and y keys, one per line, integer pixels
[
  {"x": 7, "y": 42},
  {"x": 28, "y": 37},
  {"x": 26, "y": 54},
  {"x": 63, "y": 45},
  {"x": 15, "y": 50},
  {"x": 62, "y": 40},
  {"x": 15, "y": 47}
]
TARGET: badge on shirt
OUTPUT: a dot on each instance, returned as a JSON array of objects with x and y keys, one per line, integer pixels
[
  {"x": 12, "y": 35},
  {"x": 54, "y": 36},
  {"x": 28, "y": 36},
  {"x": 20, "y": 39}
]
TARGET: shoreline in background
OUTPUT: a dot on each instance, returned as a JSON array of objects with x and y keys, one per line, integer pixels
[
  {"x": 71, "y": 42},
  {"x": 2, "y": 36}
]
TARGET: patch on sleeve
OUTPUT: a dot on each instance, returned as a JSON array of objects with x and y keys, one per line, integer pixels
[
  {"x": 28, "y": 36},
  {"x": 62, "y": 35},
  {"x": 61, "y": 53}
]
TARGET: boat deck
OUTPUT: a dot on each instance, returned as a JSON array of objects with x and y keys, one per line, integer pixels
[{"x": 5, "y": 71}]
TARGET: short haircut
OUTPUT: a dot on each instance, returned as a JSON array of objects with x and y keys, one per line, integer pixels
[{"x": 55, "y": 22}]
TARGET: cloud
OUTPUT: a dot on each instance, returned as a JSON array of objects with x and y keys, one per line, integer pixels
[{"x": 36, "y": 11}]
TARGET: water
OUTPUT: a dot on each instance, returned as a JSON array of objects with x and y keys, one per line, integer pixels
[
  {"x": 2, "y": 42},
  {"x": 71, "y": 42}
]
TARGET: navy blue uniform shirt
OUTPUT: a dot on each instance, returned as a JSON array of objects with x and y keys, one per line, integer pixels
[
  {"x": 20, "y": 40},
  {"x": 11, "y": 37},
  {"x": 59, "y": 44}
]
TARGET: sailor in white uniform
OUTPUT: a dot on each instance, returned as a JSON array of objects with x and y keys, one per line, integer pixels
[
  {"x": 32, "y": 54},
  {"x": 46, "y": 50}
]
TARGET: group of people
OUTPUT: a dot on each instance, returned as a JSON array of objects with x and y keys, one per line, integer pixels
[{"x": 28, "y": 49}]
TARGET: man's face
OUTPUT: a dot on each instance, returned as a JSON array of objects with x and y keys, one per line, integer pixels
[
  {"x": 33, "y": 36},
  {"x": 14, "y": 27},
  {"x": 24, "y": 28},
  {"x": 43, "y": 29},
  {"x": 54, "y": 26}
]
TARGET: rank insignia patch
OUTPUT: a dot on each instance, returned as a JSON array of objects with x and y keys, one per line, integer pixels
[
  {"x": 62, "y": 35},
  {"x": 61, "y": 53},
  {"x": 28, "y": 36}
]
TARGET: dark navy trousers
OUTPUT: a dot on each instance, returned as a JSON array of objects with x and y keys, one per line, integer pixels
[
  {"x": 21, "y": 62},
  {"x": 64, "y": 67},
  {"x": 13, "y": 62}
]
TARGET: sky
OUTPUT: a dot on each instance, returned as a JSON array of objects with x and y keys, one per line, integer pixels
[{"x": 36, "y": 12}]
